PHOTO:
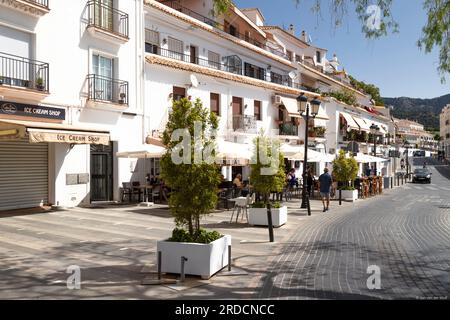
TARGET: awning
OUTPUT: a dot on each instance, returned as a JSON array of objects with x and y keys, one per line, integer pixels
[
  {"x": 363, "y": 125},
  {"x": 350, "y": 121},
  {"x": 365, "y": 158},
  {"x": 233, "y": 151},
  {"x": 147, "y": 151},
  {"x": 297, "y": 152},
  {"x": 382, "y": 129},
  {"x": 51, "y": 132},
  {"x": 291, "y": 107}
]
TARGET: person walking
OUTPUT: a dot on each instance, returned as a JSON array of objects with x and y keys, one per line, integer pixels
[{"x": 325, "y": 182}]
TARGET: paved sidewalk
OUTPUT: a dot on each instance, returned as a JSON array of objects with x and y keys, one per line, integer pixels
[{"x": 115, "y": 248}]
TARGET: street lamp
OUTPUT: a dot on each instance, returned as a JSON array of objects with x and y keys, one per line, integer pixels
[
  {"x": 407, "y": 146},
  {"x": 303, "y": 108},
  {"x": 374, "y": 130}
]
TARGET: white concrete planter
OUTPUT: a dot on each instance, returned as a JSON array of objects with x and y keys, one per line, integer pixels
[
  {"x": 348, "y": 195},
  {"x": 203, "y": 259},
  {"x": 258, "y": 216}
]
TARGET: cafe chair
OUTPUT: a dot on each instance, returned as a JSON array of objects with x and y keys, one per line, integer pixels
[
  {"x": 136, "y": 190},
  {"x": 125, "y": 191}
]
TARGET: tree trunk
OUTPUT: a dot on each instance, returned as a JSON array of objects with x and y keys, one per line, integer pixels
[{"x": 191, "y": 227}]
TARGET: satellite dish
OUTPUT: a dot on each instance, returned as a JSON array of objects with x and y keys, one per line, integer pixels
[
  {"x": 194, "y": 81},
  {"x": 292, "y": 75}
]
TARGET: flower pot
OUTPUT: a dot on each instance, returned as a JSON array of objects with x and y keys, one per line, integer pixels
[
  {"x": 202, "y": 259},
  {"x": 258, "y": 216},
  {"x": 348, "y": 195}
]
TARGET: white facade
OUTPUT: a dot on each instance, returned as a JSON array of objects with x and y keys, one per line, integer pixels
[{"x": 445, "y": 130}]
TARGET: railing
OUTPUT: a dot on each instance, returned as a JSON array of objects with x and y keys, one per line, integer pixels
[
  {"x": 41, "y": 3},
  {"x": 195, "y": 60},
  {"x": 23, "y": 72},
  {"x": 106, "y": 89},
  {"x": 285, "y": 81},
  {"x": 256, "y": 74},
  {"x": 107, "y": 18},
  {"x": 177, "y": 6},
  {"x": 244, "y": 123},
  {"x": 288, "y": 129}
]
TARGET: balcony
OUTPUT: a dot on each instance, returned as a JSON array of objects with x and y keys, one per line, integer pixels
[
  {"x": 244, "y": 123},
  {"x": 288, "y": 129},
  {"x": 177, "y": 6},
  {"x": 105, "y": 22},
  {"x": 23, "y": 77},
  {"x": 35, "y": 8},
  {"x": 103, "y": 91}
]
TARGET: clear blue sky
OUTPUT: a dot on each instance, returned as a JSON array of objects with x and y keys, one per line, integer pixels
[{"x": 393, "y": 63}]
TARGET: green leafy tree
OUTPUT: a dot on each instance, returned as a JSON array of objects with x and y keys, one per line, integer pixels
[
  {"x": 368, "y": 89},
  {"x": 345, "y": 169},
  {"x": 194, "y": 185},
  {"x": 267, "y": 172},
  {"x": 345, "y": 96}
]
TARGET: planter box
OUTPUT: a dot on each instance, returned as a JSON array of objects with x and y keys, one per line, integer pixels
[
  {"x": 348, "y": 195},
  {"x": 203, "y": 259},
  {"x": 258, "y": 216}
]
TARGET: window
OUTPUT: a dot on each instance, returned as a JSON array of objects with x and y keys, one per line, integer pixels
[
  {"x": 151, "y": 41},
  {"x": 215, "y": 103},
  {"x": 298, "y": 58},
  {"x": 193, "y": 54},
  {"x": 289, "y": 55},
  {"x": 247, "y": 36},
  {"x": 257, "y": 110},
  {"x": 276, "y": 78},
  {"x": 103, "y": 71},
  {"x": 318, "y": 57},
  {"x": 213, "y": 60},
  {"x": 446, "y": 122},
  {"x": 178, "y": 93},
  {"x": 254, "y": 71},
  {"x": 175, "y": 49}
]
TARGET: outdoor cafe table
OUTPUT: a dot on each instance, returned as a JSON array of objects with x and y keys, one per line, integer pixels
[{"x": 146, "y": 190}]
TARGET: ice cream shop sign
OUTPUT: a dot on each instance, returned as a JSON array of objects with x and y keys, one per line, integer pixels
[{"x": 27, "y": 110}]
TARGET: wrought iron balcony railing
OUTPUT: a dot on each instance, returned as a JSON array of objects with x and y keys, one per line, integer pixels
[
  {"x": 288, "y": 129},
  {"x": 107, "y": 89},
  {"x": 107, "y": 18},
  {"x": 244, "y": 123},
  {"x": 22, "y": 72},
  {"x": 177, "y": 6},
  {"x": 41, "y": 3}
]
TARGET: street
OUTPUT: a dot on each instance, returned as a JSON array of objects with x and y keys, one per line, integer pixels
[{"x": 404, "y": 233}]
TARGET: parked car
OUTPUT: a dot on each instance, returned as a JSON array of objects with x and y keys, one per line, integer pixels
[
  {"x": 421, "y": 175},
  {"x": 419, "y": 153}
]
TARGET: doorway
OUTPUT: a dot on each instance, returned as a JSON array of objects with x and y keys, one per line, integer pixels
[{"x": 101, "y": 173}]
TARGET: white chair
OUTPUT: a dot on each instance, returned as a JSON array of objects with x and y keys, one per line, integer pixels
[{"x": 240, "y": 206}]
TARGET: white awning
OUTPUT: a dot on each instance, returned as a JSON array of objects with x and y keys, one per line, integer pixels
[
  {"x": 232, "y": 151},
  {"x": 291, "y": 107},
  {"x": 350, "y": 121},
  {"x": 297, "y": 152},
  {"x": 382, "y": 130},
  {"x": 363, "y": 125},
  {"x": 147, "y": 151},
  {"x": 365, "y": 158}
]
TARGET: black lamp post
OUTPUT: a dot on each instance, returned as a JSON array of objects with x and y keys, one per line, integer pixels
[
  {"x": 374, "y": 129},
  {"x": 303, "y": 108},
  {"x": 407, "y": 145}
]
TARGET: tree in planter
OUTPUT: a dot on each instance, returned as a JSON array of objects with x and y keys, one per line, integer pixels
[
  {"x": 193, "y": 183},
  {"x": 40, "y": 83},
  {"x": 267, "y": 166},
  {"x": 345, "y": 170}
]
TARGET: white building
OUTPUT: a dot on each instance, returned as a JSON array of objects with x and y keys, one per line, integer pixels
[
  {"x": 69, "y": 99},
  {"x": 445, "y": 130}
]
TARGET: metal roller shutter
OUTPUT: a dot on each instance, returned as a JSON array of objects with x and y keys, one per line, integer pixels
[{"x": 23, "y": 174}]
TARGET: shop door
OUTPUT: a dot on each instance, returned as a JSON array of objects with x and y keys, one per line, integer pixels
[{"x": 101, "y": 173}]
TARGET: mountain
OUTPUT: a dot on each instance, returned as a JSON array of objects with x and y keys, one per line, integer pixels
[{"x": 424, "y": 111}]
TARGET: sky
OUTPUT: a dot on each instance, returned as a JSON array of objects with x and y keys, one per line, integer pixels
[{"x": 393, "y": 63}]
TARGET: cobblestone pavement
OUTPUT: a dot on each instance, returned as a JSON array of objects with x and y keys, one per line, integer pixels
[{"x": 406, "y": 234}]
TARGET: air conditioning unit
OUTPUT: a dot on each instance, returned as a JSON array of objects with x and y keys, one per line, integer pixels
[{"x": 276, "y": 99}]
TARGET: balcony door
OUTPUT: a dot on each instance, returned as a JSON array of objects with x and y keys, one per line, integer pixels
[
  {"x": 104, "y": 14},
  {"x": 103, "y": 70}
]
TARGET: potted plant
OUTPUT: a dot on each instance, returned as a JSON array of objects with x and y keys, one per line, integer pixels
[
  {"x": 194, "y": 186},
  {"x": 122, "y": 98},
  {"x": 40, "y": 84},
  {"x": 345, "y": 170},
  {"x": 267, "y": 175}
]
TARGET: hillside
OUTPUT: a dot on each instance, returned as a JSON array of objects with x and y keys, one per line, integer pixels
[{"x": 424, "y": 111}]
